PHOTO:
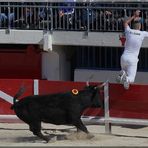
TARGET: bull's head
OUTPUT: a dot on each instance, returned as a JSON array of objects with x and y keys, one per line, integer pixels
[
  {"x": 97, "y": 101},
  {"x": 95, "y": 94}
]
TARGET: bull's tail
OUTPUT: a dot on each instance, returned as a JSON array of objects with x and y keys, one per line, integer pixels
[{"x": 17, "y": 95}]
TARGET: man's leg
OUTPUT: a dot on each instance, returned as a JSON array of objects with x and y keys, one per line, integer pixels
[
  {"x": 122, "y": 73},
  {"x": 131, "y": 74}
]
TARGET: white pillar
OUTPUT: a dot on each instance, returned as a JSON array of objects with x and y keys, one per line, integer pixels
[{"x": 47, "y": 42}]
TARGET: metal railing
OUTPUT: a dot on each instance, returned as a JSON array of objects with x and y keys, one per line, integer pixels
[
  {"x": 108, "y": 120},
  {"x": 76, "y": 16}
]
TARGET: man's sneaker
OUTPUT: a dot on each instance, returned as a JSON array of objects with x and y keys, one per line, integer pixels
[
  {"x": 126, "y": 82},
  {"x": 118, "y": 79},
  {"x": 120, "y": 76}
]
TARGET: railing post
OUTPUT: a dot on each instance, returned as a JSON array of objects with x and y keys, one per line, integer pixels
[
  {"x": 36, "y": 87},
  {"x": 88, "y": 26},
  {"x": 106, "y": 109},
  {"x": 51, "y": 17},
  {"x": 8, "y": 19}
]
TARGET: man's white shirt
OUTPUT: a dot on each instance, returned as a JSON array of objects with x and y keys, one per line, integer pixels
[{"x": 134, "y": 40}]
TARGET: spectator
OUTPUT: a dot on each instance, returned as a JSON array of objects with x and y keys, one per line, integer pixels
[
  {"x": 88, "y": 14},
  {"x": 66, "y": 13},
  {"x": 28, "y": 18},
  {"x": 6, "y": 16}
]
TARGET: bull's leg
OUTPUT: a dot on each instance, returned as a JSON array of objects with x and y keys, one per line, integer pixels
[
  {"x": 35, "y": 127},
  {"x": 80, "y": 126}
]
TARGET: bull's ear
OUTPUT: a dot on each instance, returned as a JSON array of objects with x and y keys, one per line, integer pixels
[{"x": 96, "y": 87}]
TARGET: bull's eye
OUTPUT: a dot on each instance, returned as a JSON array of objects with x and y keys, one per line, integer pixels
[{"x": 75, "y": 91}]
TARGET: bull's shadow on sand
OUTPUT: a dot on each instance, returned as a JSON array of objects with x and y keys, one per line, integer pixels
[
  {"x": 35, "y": 139},
  {"x": 56, "y": 135}
]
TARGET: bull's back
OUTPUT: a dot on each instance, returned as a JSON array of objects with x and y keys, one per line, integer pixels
[{"x": 49, "y": 109}]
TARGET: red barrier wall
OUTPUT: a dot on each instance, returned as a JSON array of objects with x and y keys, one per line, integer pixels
[{"x": 132, "y": 103}]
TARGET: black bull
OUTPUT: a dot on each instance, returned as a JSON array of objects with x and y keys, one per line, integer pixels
[{"x": 60, "y": 109}]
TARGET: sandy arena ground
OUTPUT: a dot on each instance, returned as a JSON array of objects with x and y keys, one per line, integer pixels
[{"x": 17, "y": 134}]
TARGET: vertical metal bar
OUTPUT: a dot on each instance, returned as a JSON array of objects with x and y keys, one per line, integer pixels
[
  {"x": 35, "y": 16},
  {"x": 113, "y": 21},
  {"x": 96, "y": 19},
  {"x": 39, "y": 11},
  {"x": 51, "y": 17},
  {"x": 56, "y": 18},
  {"x": 47, "y": 17},
  {"x": 74, "y": 26},
  {"x": 117, "y": 20},
  {"x": 100, "y": 14},
  {"x": 8, "y": 30},
  {"x": 94, "y": 58},
  {"x": 88, "y": 57},
  {"x": 36, "y": 87},
  {"x": 105, "y": 58},
  {"x": 0, "y": 13},
  {"x": 100, "y": 57},
  {"x": 30, "y": 15},
  {"x": 17, "y": 16},
  {"x": 104, "y": 21},
  {"x": 106, "y": 108},
  {"x": 88, "y": 26}
]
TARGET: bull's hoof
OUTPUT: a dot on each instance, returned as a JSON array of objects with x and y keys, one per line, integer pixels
[
  {"x": 90, "y": 136},
  {"x": 82, "y": 135}
]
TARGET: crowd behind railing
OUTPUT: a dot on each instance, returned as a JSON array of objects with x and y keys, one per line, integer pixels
[{"x": 71, "y": 16}]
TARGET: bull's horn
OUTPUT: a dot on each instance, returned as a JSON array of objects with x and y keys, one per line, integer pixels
[
  {"x": 103, "y": 84},
  {"x": 87, "y": 83},
  {"x": 90, "y": 77}
]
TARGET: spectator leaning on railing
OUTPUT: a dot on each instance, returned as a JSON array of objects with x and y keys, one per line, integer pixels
[
  {"x": 6, "y": 17},
  {"x": 67, "y": 12}
]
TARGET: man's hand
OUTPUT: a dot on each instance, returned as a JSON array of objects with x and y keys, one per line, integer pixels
[{"x": 61, "y": 13}]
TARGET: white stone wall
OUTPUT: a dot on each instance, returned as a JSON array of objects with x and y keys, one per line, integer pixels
[{"x": 103, "y": 75}]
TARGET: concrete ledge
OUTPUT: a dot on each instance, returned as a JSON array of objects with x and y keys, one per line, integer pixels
[{"x": 78, "y": 38}]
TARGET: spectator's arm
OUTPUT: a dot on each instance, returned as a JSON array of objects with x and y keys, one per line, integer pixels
[
  {"x": 134, "y": 17},
  {"x": 127, "y": 22}
]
